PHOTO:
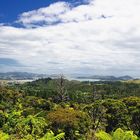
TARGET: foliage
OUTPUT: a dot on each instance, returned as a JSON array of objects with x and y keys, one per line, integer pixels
[
  {"x": 72, "y": 122},
  {"x": 4, "y": 136},
  {"x": 97, "y": 113},
  {"x": 119, "y": 134},
  {"x": 76, "y": 109},
  {"x": 116, "y": 114},
  {"x": 50, "y": 136},
  {"x": 2, "y": 118},
  {"x": 12, "y": 120},
  {"x": 133, "y": 107},
  {"x": 32, "y": 125}
]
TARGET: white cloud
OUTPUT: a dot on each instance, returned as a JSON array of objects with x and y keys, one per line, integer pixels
[
  {"x": 102, "y": 37},
  {"x": 43, "y": 16}
]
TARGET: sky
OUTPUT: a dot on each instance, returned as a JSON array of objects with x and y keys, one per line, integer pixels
[{"x": 71, "y": 37}]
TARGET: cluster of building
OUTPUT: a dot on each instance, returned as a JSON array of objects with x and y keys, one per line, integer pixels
[{"x": 13, "y": 82}]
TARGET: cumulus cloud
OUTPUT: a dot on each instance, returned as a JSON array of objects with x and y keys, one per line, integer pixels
[
  {"x": 43, "y": 16},
  {"x": 101, "y": 37}
]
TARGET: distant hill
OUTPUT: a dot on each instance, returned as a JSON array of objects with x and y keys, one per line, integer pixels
[
  {"x": 34, "y": 76},
  {"x": 20, "y": 76},
  {"x": 106, "y": 78}
]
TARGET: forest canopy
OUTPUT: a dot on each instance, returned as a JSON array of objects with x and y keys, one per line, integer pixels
[{"x": 49, "y": 109}]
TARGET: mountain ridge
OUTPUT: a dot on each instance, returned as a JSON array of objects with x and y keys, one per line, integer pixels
[{"x": 33, "y": 76}]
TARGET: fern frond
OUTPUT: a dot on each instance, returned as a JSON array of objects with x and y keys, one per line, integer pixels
[
  {"x": 118, "y": 134},
  {"x": 59, "y": 136},
  {"x": 103, "y": 136}
]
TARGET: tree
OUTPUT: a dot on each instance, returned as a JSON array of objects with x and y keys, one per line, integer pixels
[
  {"x": 61, "y": 89},
  {"x": 94, "y": 93},
  {"x": 97, "y": 113},
  {"x": 32, "y": 125},
  {"x": 133, "y": 107},
  {"x": 72, "y": 122},
  {"x": 116, "y": 114}
]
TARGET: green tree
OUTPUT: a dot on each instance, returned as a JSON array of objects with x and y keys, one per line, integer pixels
[
  {"x": 31, "y": 125},
  {"x": 116, "y": 115},
  {"x": 72, "y": 122},
  {"x": 133, "y": 107}
]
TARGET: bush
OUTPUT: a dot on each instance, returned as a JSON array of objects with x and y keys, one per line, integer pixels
[{"x": 72, "y": 122}]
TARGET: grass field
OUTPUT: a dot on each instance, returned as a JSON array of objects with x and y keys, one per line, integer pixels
[{"x": 137, "y": 81}]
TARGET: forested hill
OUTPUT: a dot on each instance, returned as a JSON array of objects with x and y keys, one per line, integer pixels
[{"x": 48, "y": 87}]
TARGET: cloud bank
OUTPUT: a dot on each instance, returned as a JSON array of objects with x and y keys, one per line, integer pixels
[{"x": 101, "y": 37}]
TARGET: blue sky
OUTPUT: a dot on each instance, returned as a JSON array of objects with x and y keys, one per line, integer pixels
[
  {"x": 10, "y": 9},
  {"x": 87, "y": 37}
]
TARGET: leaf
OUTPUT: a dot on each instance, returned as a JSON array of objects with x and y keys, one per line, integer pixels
[
  {"x": 103, "y": 136},
  {"x": 118, "y": 134},
  {"x": 50, "y": 136},
  {"x": 129, "y": 136},
  {"x": 59, "y": 136}
]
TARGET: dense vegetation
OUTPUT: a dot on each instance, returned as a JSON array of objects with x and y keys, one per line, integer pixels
[{"x": 49, "y": 109}]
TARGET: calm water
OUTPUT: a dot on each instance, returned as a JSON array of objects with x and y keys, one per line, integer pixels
[{"x": 84, "y": 79}]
